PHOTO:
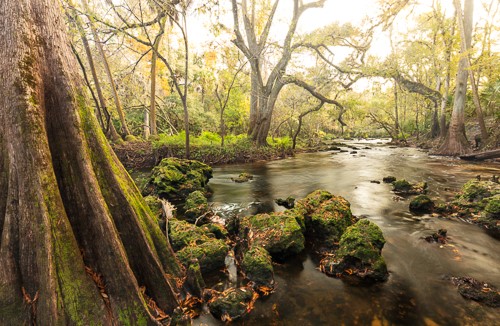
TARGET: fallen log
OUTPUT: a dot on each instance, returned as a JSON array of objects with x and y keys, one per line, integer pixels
[{"x": 481, "y": 156}]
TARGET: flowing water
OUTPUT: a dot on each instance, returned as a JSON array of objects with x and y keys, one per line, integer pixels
[{"x": 417, "y": 291}]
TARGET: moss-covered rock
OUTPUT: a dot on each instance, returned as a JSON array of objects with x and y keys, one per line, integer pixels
[
  {"x": 278, "y": 233},
  {"x": 194, "y": 280},
  {"x": 218, "y": 230},
  {"x": 231, "y": 304},
  {"x": 492, "y": 208},
  {"x": 154, "y": 204},
  {"x": 289, "y": 202},
  {"x": 422, "y": 204},
  {"x": 258, "y": 267},
  {"x": 210, "y": 253},
  {"x": 243, "y": 177},
  {"x": 359, "y": 254},
  {"x": 174, "y": 179},
  {"x": 389, "y": 179},
  {"x": 196, "y": 206},
  {"x": 183, "y": 234},
  {"x": 326, "y": 216},
  {"x": 474, "y": 191},
  {"x": 404, "y": 188}
]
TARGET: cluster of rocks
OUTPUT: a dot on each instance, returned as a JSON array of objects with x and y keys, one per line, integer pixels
[
  {"x": 350, "y": 248},
  {"x": 478, "y": 202}
]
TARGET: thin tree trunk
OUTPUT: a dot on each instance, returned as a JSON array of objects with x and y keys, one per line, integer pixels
[
  {"x": 109, "y": 127},
  {"x": 465, "y": 48},
  {"x": 301, "y": 117},
  {"x": 444, "y": 101},
  {"x": 77, "y": 240},
  {"x": 119, "y": 107},
  {"x": 456, "y": 142},
  {"x": 154, "y": 57},
  {"x": 396, "y": 114},
  {"x": 146, "y": 125}
]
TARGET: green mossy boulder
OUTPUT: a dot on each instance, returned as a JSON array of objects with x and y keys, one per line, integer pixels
[
  {"x": 278, "y": 233},
  {"x": 193, "y": 242},
  {"x": 492, "y": 209},
  {"x": 155, "y": 205},
  {"x": 422, "y": 204},
  {"x": 183, "y": 234},
  {"x": 243, "y": 177},
  {"x": 359, "y": 254},
  {"x": 196, "y": 206},
  {"x": 209, "y": 252},
  {"x": 289, "y": 202},
  {"x": 231, "y": 304},
  {"x": 174, "y": 179},
  {"x": 326, "y": 216},
  {"x": 474, "y": 191},
  {"x": 404, "y": 188},
  {"x": 257, "y": 265},
  {"x": 218, "y": 230}
]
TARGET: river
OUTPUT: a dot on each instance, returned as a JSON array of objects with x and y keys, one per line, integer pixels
[{"x": 417, "y": 291}]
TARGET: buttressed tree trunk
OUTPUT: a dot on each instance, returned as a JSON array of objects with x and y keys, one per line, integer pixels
[{"x": 78, "y": 245}]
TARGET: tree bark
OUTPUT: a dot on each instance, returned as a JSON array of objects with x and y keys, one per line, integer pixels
[
  {"x": 265, "y": 93},
  {"x": 456, "y": 142},
  {"x": 301, "y": 116},
  {"x": 466, "y": 47},
  {"x": 154, "y": 57},
  {"x": 77, "y": 241}
]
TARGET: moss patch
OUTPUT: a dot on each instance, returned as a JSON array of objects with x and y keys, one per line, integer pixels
[{"x": 196, "y": 206}]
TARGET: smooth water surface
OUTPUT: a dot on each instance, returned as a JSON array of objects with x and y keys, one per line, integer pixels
[{"x": 417, "y": 291}]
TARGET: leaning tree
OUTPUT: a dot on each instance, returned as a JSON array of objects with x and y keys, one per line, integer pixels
[{"x": 78, "y": 245}]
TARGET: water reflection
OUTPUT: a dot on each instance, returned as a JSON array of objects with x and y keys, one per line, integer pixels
[{"x": 417, "y": 292}]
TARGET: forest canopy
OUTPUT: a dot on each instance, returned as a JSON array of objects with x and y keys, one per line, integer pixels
[{"x": 238, "y": 67}]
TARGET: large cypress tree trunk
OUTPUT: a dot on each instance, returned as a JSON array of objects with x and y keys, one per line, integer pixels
[{"x": 77, "y": 241}]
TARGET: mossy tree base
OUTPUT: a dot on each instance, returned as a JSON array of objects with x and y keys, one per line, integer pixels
[{"x": 77, "y": 240}]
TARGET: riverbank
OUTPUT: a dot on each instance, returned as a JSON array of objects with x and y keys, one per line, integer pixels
[{"x": 139, "y": 155}]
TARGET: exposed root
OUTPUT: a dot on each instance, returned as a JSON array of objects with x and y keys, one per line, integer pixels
[{"x": 31, "y": 303}]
